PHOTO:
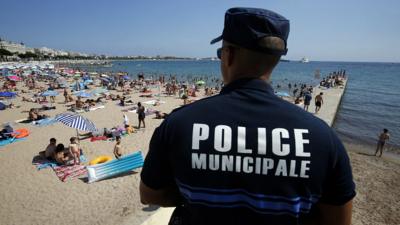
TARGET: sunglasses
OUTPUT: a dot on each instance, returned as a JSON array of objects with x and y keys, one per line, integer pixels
[{"x": 219, "y": 50}]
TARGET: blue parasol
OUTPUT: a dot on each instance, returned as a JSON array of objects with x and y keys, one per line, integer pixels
[{"x": 49, "y": 93}]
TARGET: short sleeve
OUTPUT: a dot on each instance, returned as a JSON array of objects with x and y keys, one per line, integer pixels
[
  {"x": 340, "y": 187},
  {"x": 157, "y": 172}
]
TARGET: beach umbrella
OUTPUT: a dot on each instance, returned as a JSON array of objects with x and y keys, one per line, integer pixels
[
  {"x": 98, "y": 91},
  {"x": 88, "y": 81},
  {"x": 76, "y": 121},
  {"x": 83, "y": 94},
  {"x": 104, "y": 75},
  {"x": 282, "y": 94},
  {"x": 126, "y": 77},
  {"x": 7, "y": 94},
  {"x": 14, "y": 78},
  {"x": 200, "y": 82},
  {"x": 49, "y": 93}
]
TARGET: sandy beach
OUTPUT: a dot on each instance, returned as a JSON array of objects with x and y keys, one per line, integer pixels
[{"x": 30, "y": 196}]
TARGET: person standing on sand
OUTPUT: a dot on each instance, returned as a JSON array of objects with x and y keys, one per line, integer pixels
[
  {"x": 258, "y": 160},
  {"x": 141, "y": 115},
  {"x": 318, "y": 102},
  {"x": 117, "y": 147},
  {"x": 74, "y": 150},
  {"x": 383, "y": 137},
  {"x": 307, "y": 100}
]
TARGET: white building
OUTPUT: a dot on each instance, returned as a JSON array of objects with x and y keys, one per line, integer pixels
[{"x": 15, "y": 47}]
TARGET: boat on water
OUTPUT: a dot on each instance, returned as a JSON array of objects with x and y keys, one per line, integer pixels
[{"x": 304, "y": 60}]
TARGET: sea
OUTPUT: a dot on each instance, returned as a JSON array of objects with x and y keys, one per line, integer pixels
[{"x": 370, "y": 103}]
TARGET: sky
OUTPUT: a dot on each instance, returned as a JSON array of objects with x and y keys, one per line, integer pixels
[{"x": 324, "y": 30}]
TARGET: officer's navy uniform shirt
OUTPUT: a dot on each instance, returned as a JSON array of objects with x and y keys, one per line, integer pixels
[{"x": 246, "y": 156}]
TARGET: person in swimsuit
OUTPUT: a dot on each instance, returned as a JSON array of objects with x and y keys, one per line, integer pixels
[
  {"x": 318, "y": 102},
  {"x": 117, "y": 147},
  {"x": 50, "y": 149},
  {"x": 59, "y": 155},
  {"x": 74, "y": 150},
  {"x": 383, "y": 137},
  {"x": 141, "y": 115}
]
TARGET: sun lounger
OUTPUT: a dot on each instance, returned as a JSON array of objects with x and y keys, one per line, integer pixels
[{"x": 114, "y": 167}]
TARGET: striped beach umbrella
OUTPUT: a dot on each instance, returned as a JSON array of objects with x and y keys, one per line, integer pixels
[{"x": 76, "y": 121}]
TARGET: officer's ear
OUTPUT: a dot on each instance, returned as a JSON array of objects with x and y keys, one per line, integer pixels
[{"x": 232, "y": 54}]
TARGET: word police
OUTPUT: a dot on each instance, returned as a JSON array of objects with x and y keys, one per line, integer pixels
[{"x": 248, "y": 160}]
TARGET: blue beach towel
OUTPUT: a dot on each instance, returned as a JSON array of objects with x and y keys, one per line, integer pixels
[
  {"x": 9, "y": 141},
  {"x": 43, "y": 164},
  {"x": 45, "y": 122}
]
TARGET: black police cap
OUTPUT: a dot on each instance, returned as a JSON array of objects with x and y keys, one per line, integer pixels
[{"x": 247, "y": 26}]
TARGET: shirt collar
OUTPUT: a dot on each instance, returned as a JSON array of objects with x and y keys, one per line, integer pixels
[{"x": 248, "y": 83}]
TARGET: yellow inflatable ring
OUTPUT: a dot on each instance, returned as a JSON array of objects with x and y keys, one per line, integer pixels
[{"x": 100, "y": 159}]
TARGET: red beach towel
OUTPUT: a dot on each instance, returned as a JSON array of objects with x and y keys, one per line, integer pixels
[{"x": 69, "y": 172}]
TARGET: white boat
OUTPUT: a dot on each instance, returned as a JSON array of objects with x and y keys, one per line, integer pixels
[{"x": 304, "y": 60}]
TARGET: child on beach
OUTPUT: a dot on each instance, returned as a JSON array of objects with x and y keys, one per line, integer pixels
[
  {"x": 74, "y": 150},
  {"x": 117, "y": 147},
  {"x": 59, "y": 155},
  {"x": 50, "y": 149}
]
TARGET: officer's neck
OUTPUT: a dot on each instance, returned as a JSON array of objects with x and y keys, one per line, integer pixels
[{"x": 241, "y": 76}]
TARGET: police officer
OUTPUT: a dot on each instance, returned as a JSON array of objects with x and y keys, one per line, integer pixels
[{"x": 245, "y": 156}]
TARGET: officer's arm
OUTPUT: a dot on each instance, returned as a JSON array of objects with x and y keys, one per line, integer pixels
[
  {"x": 166, "y": 197},
  {"x": 335, "y": 215}
]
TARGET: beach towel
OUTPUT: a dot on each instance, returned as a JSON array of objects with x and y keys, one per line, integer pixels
[
  {"x": 96, "y": 107},
  {"x": 9, "y": 141},
  {"x": 69, "y": 172},
  {"x": 153, "y": 102},
  {"x": 99, "y": 138},
  {"x": 150, "y": 112},
  {"x": 44, "y": 122},
  {"x": 42, "y": 163},
  {"x": 25, "y": 120},
  {"x": 130, "y": 109}
]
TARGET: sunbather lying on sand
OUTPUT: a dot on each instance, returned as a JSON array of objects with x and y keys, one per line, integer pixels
[
  {"x": 35, "y": 115},
  {"x": 161, "y": 115}
]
